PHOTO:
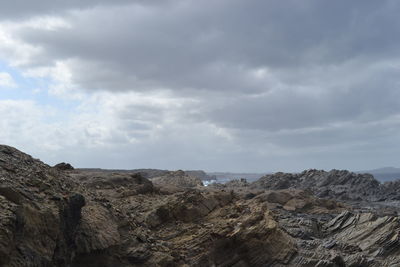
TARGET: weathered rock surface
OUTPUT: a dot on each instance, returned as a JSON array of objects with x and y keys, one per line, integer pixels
[
  {"x": 64, "y": 166},
  {"x": 178, "y": 179},
  {"x": 39, "y": 212},
  {"x": 335, "y": 184},
  {"x": 112, "y": 183},
  {"x": 53, "y": 217},
  {"x": 236, "y": 183},
  {"x": 301, "y": 201}
]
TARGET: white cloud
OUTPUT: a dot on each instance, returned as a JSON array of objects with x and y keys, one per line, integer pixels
[{"x": 6, "y": 80}]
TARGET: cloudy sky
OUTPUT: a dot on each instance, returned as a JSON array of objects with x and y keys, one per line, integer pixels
[{"x": 228, "y": 85}]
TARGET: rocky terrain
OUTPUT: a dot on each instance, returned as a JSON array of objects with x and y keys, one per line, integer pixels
[
  {"x": 384, "y": 174},
  {"x": 335, "y": 184},
  {"x": 61, "y": 216},
  {"x": 178, "y": 179}
]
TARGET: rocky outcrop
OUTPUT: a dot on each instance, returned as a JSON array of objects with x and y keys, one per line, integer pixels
[
  {"x": 217, "y": 229},
  {"x": 53, "y": 217},
  {"x": 371, "y": 235},
  {"x": 39, "y": 212},
  {"x": 300, "y": 201},
  {"x": 177, "y": 179},
  {"x": 369, "y": 240},
  {"x": 64, "y": 166},
  {"x": 335, "y": 184},
  {"x": 391, "y": 190},
  {"x": 50, "y": 217}
]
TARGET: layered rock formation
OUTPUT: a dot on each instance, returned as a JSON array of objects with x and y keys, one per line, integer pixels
[
  {"x": 71, "y": 217},
  {"x": 40, "y": 212},
  {"x": 335, "y": 184}
]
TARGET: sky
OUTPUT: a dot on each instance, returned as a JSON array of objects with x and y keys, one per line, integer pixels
[{"x": 226, "y": 85}]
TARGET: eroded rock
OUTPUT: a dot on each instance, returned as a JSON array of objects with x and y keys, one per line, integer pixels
[{"x": 93, "y": 218}]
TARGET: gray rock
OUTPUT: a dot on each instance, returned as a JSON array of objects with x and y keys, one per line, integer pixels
[{"x": 335, "y": 184}]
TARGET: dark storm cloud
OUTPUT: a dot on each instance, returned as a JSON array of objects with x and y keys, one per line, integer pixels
[
  {"x": 373, "y": 96},
  {"x": 191, "y": 45},
  {"x": 20, "y": 9}
]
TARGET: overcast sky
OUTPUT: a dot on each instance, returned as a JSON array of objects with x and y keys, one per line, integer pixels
[{"x": 219, "y": 85}]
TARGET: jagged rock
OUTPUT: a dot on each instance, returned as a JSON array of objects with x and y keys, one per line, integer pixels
[
  {"x": 97, "y": 230},
  {"x": 357, "y": 260},
  {"x": 189, "y": 206},
  {"x": 94, "y": 218},
  {"x": 238, "y": 233},
  {"x": 343, "y": 185},
  {"x": 280, "y": 197},
  {"x": 64, "y": 166},
  {"x": 376, "y": 235},
  {"x": 391, "y": 190},
  {"x": 301, "y": 201},
  {"x": 33, "y": 222},
  {"x": 114, "y": 184},
  {"x": 254, "y": 239}
]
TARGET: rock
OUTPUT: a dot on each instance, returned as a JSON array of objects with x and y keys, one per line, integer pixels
[
  {"x": 352, "y": 229},
  {"x": 357, "y": 260},
  {"x": 138, "y": 255},
  {"x": 11, "y": 194},
  {"x": 178, "y": 179},
  {"x": 7, "y": 229},
  {"x": 256, "y": 241},
  {"x": 33, "y": 224},
  {"x": 64, "y": 166},
  {"x": 94, "y": 217},
  {"x": 343, "y": 185},
  {"x": 190, "y": 206},
  {"x": 280, "y": 197},
  {"x": 97, "y": 230},
  {"x": 237, "y": 183},
  {"x": 114, "y": 184},
  {"x": 301, "y": 201},
  {"x": 329, "y": 244}
]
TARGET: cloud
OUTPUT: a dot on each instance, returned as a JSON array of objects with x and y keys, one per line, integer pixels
[
  {"x": 249, "y": 81},
  {"x": 6, "y": 80},
  {"x": 20, "y": 9},
  {"x": 189, "y": 45},
  {"x": 115, "y": 131}
]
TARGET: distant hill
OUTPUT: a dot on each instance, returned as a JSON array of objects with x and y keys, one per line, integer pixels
[{"x": 384, "y": 174}]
